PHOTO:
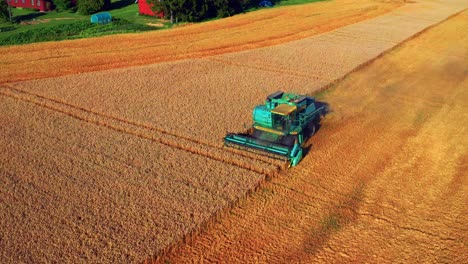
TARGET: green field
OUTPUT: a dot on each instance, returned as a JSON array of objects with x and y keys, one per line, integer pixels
[
  {"x": 31, "y": 26},
  {"x": 34, "y": 26}
]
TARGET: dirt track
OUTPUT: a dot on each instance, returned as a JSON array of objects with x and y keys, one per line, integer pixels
[{"x": 386, "y": 178}]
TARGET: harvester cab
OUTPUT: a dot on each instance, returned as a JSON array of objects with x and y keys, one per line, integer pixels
[{"x": 280, "y": 126}]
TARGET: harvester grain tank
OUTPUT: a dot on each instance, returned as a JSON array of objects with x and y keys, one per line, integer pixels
[{"x": 280, "y": 126}]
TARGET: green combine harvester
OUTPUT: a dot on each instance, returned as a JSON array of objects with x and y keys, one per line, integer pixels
[{"x": 281, "y": 126}]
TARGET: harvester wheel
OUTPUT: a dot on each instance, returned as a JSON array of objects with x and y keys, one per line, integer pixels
[{"x": 311, "y": 129}]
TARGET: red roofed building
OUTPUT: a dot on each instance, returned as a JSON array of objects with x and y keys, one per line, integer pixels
[
  {"x": 41, "y": 5},
  {"x": 145, "y": 9}
]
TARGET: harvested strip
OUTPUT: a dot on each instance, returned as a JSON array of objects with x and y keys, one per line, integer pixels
[{"x": 385, "y": 181}]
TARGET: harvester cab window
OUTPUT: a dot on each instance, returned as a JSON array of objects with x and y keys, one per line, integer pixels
[
  {"x": 282, "y": 122},
  {"x": 277, "y": 122},
  {"x": 284, "y": 115}
]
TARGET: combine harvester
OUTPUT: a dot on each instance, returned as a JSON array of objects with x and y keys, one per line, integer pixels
[{"x": 281, "y": 126}]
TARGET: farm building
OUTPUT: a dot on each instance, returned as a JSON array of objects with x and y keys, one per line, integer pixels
[
  {"x": 41, "y": 5},
  {"x": 145, "y": 9}
]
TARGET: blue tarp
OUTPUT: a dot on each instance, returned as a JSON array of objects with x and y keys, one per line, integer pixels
[{"x": 101, "y": 18}]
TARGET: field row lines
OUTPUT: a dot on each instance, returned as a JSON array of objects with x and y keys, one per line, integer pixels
[
  {"x": 268, "y": 69},
  {"x": 89, "y": 159},
  {"x": 230, "y": 156},
  {"x": 406, "y": 227}
]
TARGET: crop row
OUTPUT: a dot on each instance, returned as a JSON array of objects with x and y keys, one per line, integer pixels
[
  {"x": 210, "y": 150},
  {"x": 77, "y": 186}
]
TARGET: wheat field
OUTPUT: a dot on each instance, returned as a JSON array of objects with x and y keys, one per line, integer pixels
[{"x": 127, "y": 164}]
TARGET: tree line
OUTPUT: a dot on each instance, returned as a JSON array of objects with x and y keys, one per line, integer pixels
[
  {"x": 175, "y": 10},
  {"x": 84, "y": 7},
  {"x": 198, "y": 10}
]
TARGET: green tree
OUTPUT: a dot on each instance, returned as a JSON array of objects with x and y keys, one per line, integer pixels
[
  {"x": 62, "y": 5},
  {"x": 4, "y": 11},
  {"x": 225, "y": 8},
  {"x": 170, "y": 8},
  {"x": 182, "y": 10},
  {"x": 87, "y": 7},
  {"x": 197, "y": 10}
]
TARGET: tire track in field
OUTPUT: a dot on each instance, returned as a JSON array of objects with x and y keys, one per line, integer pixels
[
  {"x": 268, "y": 69},
  {"x": 404, "y": 227},
  {"x": 113, "y": 163},
  {"x": 208, "y": 150},
  {"x": 270, "y": 160}
]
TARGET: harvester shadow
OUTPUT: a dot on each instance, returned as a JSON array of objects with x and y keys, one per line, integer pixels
[
  {"x": 318, "y": 125},
  {"x": 340, "y": 215}
]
